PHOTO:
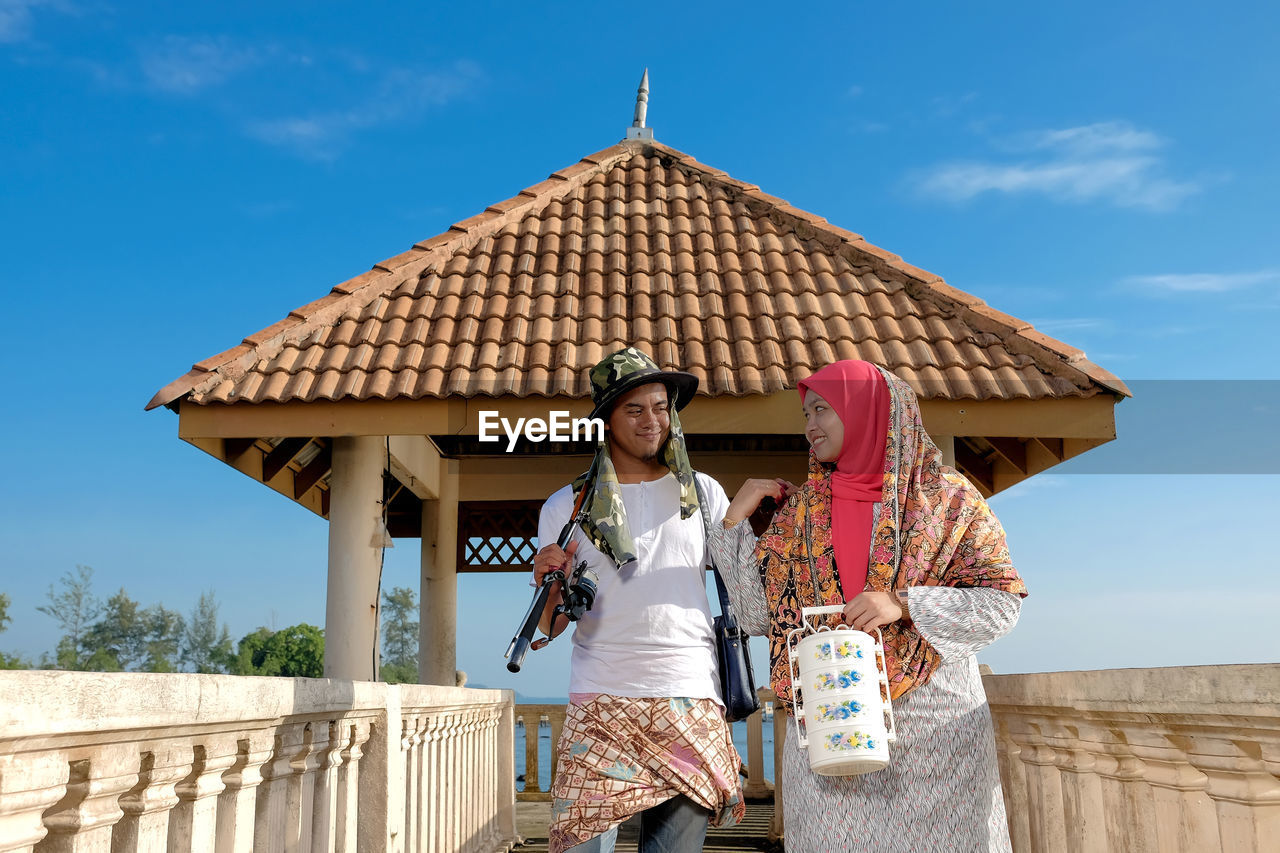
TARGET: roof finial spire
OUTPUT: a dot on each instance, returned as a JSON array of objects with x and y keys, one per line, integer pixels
[{"x": 638, "y": 129}]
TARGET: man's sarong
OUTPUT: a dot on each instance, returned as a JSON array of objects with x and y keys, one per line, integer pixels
[{"x": 619, "y": 756}]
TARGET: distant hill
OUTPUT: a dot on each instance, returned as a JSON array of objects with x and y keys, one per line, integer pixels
[{"x": 522, "y": 699}]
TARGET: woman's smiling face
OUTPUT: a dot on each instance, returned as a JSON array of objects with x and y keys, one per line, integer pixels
[{"x": 823, "y": 428}]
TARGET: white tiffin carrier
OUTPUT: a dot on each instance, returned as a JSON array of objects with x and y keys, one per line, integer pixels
[{"x": 840, "y": 715}]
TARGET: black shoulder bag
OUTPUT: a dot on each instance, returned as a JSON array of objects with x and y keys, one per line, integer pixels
[{"x": 737, "y": 681}]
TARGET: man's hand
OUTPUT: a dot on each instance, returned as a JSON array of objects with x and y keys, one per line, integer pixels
[
  {"x": 753, "y": 491},
  {"x": 549, "y": 559},
  {"x": 871, "y": 610}
]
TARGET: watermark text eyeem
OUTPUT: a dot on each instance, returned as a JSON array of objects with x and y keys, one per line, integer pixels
[{"x": 557, "y": 427}]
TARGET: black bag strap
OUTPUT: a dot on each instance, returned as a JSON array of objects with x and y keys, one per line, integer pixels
[{"x": 725, "y": 607}]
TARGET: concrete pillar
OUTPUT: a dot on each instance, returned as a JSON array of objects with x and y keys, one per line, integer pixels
[
  {"x": 438, "y": 616},
  {"x": 355, "y": 558},
  {"x": 947, "y": 445}
]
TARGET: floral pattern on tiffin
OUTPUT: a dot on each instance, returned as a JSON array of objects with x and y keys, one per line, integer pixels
[{"x": 934, "y": 529}]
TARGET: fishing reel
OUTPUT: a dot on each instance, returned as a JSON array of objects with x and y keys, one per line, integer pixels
[{"x": 579, "y": 592}]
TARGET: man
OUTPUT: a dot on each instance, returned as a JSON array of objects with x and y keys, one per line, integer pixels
[{"x": 645, "y": 730}]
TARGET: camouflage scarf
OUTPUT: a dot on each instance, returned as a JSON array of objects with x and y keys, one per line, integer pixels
[{"x": 606, "y": 523}]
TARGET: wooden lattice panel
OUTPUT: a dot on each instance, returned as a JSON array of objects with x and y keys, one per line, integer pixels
[{"x": 497, "y": 536}]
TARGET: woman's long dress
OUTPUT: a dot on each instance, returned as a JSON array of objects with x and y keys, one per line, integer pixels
[{"x": 941, "y": 790}]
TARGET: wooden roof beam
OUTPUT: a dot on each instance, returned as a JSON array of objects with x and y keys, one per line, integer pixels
[
  {"x": 974, "y": 467},
  {"x": 281, "y": 455},
  {"x": 415, "y": 462},
  {"x": 1013, "y": 451},
  {"x": 314, "y": 471},
  {"x": 1072, "y": 417},
  {"x": 1052, "y": 445},
  {"x": 234, "y": 448}
]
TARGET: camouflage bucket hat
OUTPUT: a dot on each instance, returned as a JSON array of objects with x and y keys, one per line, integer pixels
[{"x": 629, "y": 368}]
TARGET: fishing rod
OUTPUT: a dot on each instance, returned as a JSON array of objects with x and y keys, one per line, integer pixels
[{"x": 578, "y": 590}]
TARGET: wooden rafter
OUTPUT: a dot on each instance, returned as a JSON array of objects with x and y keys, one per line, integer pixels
[
  {"x": 314, "y": 471},
  {"x": 1012, "y": 450},
  {"x": 281, "y": 455},
  {"x": 974, "y": 466},
  {"x": 234, "y": 448},
  {"x": 1053, "y": 445}
]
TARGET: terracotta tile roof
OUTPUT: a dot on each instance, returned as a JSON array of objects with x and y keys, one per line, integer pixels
[{"x": 638, "y": 244}]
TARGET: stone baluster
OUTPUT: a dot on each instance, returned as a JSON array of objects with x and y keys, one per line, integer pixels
[
  {"x": 148, "y": 806},
  {"x": 411, "y": 753},
  {"x": 532, "y": 726},
  {"x": 1166, "y": 799},
  {"x": 432, "y": 779},
  {"x": 756, "y": 785},
  {"x": 1082, "y": 801},
  {"x": 302, "y": 789},
  {"x": 499, "y": 781},
  {"x": 325, "y": 802},
  {"x": 30, "y": 782},
  {"x": 1044, "y": 791},
  {"x": 461, "y": 750},
  {"x": 556, "y": 715},
  {"x": 82, "y": 821},
  {"x": 278, "y": 822},
  {"x": 1127, "y": 804},
  {"x": 1014, "y": 781},
  {"x": 482, "y": 773},
  {"x": 505, "y": 778},
  {"x": 356, "y": 735},
  {"x": 484, "y": 806},
  {"x": 471, "y": 759},
  {"x": 238, "y": 801},
  {"x": 1245, "y": 794},
  {"x": 194, "y": 823},
  {"x": 451, "y": 823},
  {"x": 780, "y": 724}
]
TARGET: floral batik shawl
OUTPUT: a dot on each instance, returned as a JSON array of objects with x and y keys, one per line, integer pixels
[
  {"x": 933, "y": 529},
  {"x": 618, "y": 756}
]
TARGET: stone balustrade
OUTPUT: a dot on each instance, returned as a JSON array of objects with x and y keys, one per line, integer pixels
[
  {"x": 1170, "y": 759},
  {"x": 176, "y": 762},
  {"x": 530, "y": 717},
  {"x": 1174, "y": 759}
]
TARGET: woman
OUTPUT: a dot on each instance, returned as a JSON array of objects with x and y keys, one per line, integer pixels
[{"x": 909, "y": 546}]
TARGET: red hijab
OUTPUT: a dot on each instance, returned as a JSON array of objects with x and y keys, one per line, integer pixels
[{"x": 858, "y": 395}]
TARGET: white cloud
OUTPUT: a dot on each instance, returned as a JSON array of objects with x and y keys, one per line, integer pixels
[
  {"x": 1069, "y": 324},
  {"x": 399, "y": 95},
  {"x": 16, "y": 17},
  {"x": 184, "y": 66},
  {"x": 1111, "y": 162},
  {"x": 1202, "y": 282}
]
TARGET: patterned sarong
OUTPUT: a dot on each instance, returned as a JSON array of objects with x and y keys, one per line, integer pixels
[{"x": 619, "y": 756}]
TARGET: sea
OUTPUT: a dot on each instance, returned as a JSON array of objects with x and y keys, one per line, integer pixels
[{"x": 545, "y": 748}]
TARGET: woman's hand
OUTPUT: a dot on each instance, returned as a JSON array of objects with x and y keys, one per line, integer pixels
[
  {"x": 753, "y": 491},
  {"x": 871, "y": 610}
]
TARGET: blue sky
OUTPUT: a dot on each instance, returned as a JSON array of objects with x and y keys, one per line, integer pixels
[{"x": 177, "y": 177}]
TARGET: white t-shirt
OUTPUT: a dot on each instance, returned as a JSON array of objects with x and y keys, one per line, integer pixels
[{"x": 649, "y": 631}]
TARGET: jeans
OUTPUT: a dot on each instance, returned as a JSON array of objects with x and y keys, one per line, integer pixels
[{"x": 677, "y": 825}]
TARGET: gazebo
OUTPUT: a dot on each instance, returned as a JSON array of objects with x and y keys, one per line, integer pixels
[{"x": 364, "y": 406}]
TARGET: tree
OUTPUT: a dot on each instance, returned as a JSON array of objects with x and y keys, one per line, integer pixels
[
  {"x": 204, "y": 647},
  {"x": 294, "y": 652},
  {"x": 117, "y": 640},
  {"x": 75, "y": 608},
  {"x": 8, "y": 661},
  {"x": 165, "y": 629},
  {"x": 399, "y": 636}
]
